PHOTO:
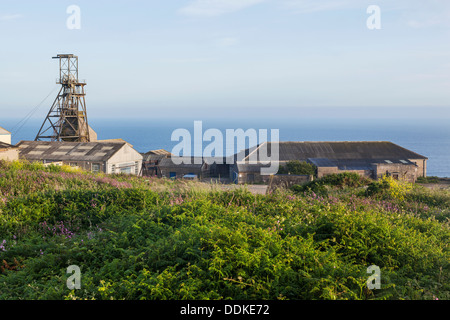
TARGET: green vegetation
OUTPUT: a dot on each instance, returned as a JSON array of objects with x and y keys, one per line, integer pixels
[
  {"x": 428, "y": 180},
  {"x": 343, "y": 180},
  {"x": 388, "y": 187},
  {"x": 144, "y": 238},
  {"x": 298, "y": 168}
]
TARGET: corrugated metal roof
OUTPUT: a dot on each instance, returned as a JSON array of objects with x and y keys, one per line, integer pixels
[
  {"x": 343, "y": 150},
  {"x": 68, "y": 151}
]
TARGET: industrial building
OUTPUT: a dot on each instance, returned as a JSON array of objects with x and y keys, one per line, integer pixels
[
  {"x": 195, "y": 169},
  {"x": 66, "y": 138},
  {"x": 370, "y": 159},
  {"x": 106, "y": 157},
  {"x": 151, "y": 161}
]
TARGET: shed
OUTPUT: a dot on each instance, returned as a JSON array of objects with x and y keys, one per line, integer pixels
[
  {"x": 151, "y": 161},
  {"x": 107, "y": 157},
  {"x": 168, "y": 169}
]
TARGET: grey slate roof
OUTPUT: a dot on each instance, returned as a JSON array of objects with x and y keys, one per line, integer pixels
[
  {"x": 68, "y": 151},
  {"x": 382, "y": 150}
]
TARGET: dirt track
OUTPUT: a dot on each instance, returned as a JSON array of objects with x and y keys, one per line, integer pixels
[{"x": 436, "y": 185}]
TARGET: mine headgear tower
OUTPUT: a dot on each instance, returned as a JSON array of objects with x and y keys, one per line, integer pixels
[{"x": 67, "y": 119}]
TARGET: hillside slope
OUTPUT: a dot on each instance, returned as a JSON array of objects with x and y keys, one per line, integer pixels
[{"x": 143, "y": 238}]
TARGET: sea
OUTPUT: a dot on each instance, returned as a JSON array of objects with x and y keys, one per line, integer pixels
[{"x": 428, "y": 137}]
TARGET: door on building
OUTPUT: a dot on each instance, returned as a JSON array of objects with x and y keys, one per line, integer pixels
[
  {"x": 235, "y": 178},
  {"x": 173, "y": 175}
]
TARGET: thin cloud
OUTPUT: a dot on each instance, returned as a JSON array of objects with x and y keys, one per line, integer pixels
[
  {"x": 10, "y": 17},
  {"x": 211, "y": 8}
]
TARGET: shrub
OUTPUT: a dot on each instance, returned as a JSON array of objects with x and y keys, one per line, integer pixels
[
  {"x": 428, "y": 180},
  {"x": 311, "y": 187},
  {"x": 345, "y": 179},
  {"x": 340, "y": 180},
  {"x": 138, "y": 238},
  {"x": 298, "y": 168},
  {"x": 389, "y": 187}
]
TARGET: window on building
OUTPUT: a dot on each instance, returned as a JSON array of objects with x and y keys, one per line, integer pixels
[
  {"x": 95, "y": 167},
  {"x": 73, "y": 164},
  {"x": 126, "y": 170}
]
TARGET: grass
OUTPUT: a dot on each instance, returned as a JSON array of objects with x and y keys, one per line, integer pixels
[
  {"x": 146, "y": 238},
  {"x": 427, "y": 180}
]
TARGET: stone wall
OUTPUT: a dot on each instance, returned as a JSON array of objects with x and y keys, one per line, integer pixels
[
  {"x": 324, "y": 171},
  {"x": 9, "y": 154},
  {"x": 402, "y": 172},
  {"x": 421, "y": 167}
]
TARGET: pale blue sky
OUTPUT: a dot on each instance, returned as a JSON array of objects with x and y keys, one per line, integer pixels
[{"x": 254, "y": 57}]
